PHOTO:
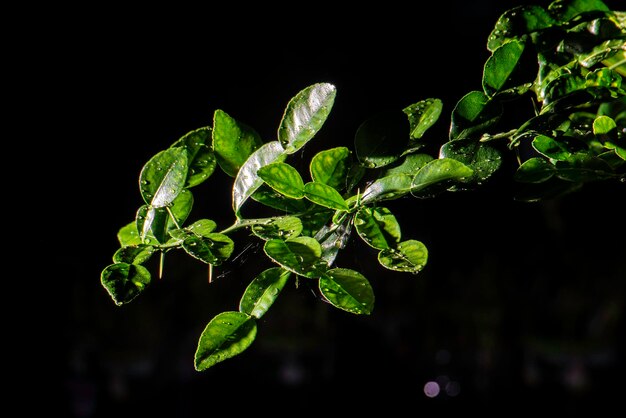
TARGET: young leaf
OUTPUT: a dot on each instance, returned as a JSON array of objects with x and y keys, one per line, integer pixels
[
  {"x": 227, "y": 335},
  {"x": 473, "y": 115},
  {"x": 534, "y": 170},
  {"x": 213, "y": 248},
  {"x": 283, "y": 227},
  {"x": 382, "y": 139},
  {"x": 409, "y": 256},
  {"x": 377, "y": 227},
  {"x": 201, "y": 159},
  {"x": 202, "y": 227},
  {"x": 283, "y": 178},
  {"x": 603, "y": 125},
  {"x": 135, "y": 254},
  {"x": 410, "y": 164},
  {"x": 304, "y": 116},
  {"x": 422, "y": 115},
  {"x": 550, "y": 148},
  {"x": 163, "y": 177},
  {"x": 324, "y": 195},
  {"x": 247, "y": 180},
  {"x": 437, "y": 171},
  {"x": 331, "y": 167},
  {"x": 124, "y": 281},
  {"x": 500, "y": 66},
  {"x": 263, "y": 291},
  {"x": 233, "y": 142},
  {"x": 300, "y": 255},
  {"x": 348, "y": 290},
  {"x": 128, "y": 235}
]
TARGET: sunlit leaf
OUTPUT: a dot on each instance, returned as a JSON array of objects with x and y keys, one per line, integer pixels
[
  {"x": 550, "y": 148},
  {"x": 565, "y": 10},
  {"x": 283, "y": 178},
  {"x": 331, "y": 167},
  {"x": 482, "y": 158},
  {"x": 247, "y": 180},
  {"x": 300, "y": 255},
  {"x": 422, "y": 115},
  {"x": 163, "y": 177},
  {"x": 534, "y": 170},
  {"x": 500, "y": 66},
  {"x": 382, "y": 139},
  {"x": 152, "y": 224},
  {"x": 263, "y": 291},
  {"x": 324, "y": 195},
  {"x": 333, "y": 240},
  {"x": 134, "y": 254},
  {"x": 409, "y": 256},
  {"x": 227, "y": 335},
  {"x": 125, "y": 281},
  {"x": 348, "y": 290},
  {"x": 128, "y": 235},
  {"x": 473, "y": 115},
  {"x": 516, "y": 22},
  {"x": 201, "y": 159},
  {"x": 378, "y": 227},
  {"x": 213, "y": 248},
  {"x": 233, "y": 142},
  {"x": 603, "y": 125},
  {"x": 438, "y": 171},
  {"x": 271, "y": 198},
  {"x": 410, "y": 164},
  {"x": 388, "y": 187},
  {"x": 304, "y": 116},
  {"x": 283, "y": 227}
]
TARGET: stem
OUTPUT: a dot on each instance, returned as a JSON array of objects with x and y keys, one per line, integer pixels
[
  {"x": 244, "y": 223},
  {"x": 488, "y": 137},
  {"x": 169, "y": 211}
]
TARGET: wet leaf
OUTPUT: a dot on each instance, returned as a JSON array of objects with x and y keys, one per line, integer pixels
[
  {"x": 283, "y": 227},
  {"x": 565, "y": 10},
  {"x": 482, "y": 158},
  {"x": 304, "y": 116},
  {"x": 227, "y": 335},
  {"x": 124, "y": 281},
  {"x": 500, "y": 66},
  {"x": 324, "y": 195},
  {"x": 388, "y": 187},
  {"x": 331, "y": 167},
  {"x": 214, "y": 248},
  {"x": 163, "y": 177},
  {"x": 271, "y": 198},
  {"x": 200, "y": 157},
  {"x": 283, "y": 178},
  {"x": 233, "y": 142},
  {"x": 378, "y": 227},
  {"x": 438, "y": 171},
  {"x": 534, "y": 170},
  {"x": 128, "y": 235},
  {"x": 473, "y": 115},
  {"x": 348, "y": 290},
  {"x": 410, "y": 164},
  {"x": 135, "y": 254},
  {"x": 516, "y": 22},
  {"x": 300, "y": 255},
  {"x": 263, "y": 291},
  {"x": 550, "y": 148},
  {"x": 247, "y": 180},
  {"x": 422, "y": 115},
  {"x": 409, "y": 256},
  {"x": 382, "y": 139}
]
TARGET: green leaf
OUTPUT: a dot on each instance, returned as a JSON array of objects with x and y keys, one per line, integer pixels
[
  {"x": 247, "y": 180},
  {"x": 582, "y": 167},
  {"x": 409, "y": 256},
  {"x": 331, "y": 167},
  {"x": 534, "y": 170},
  {"x": 324, "y": 195},
  {"x": 409, "y": 165},
  {"x": 422, "y": 115},
  {"x": 283, "y": 227},
  {"x": 500, "y": 66},
  {"x": 300, "y": 255},
  {"x": 382, "y": 139},
  {"x": 213, "y": 248},
  {"x": 283, "y": 178},
  {"x": 271, "y": 198},
  {"x": 603, "y": 125},
  {"x": 438, "y": 171},
  {"x": 152, "y": 224},
  {"x": 263, "y": 291},
  {"x": 304, "y": 116},
  {"x": 516, "y": 22},
  {"x": 128, "y": 235},
  {"x": 202, "y": 227},
  {"x": 388, "y": 187},
  {"x": 124, "y": 281},
  {"x": 201, "y": 159},
  {"x": 378, "y": 227},
  {"x": 348, "y": 290},
  {"x": 227, "y": 335},
  {"x": 180, "y": 209},
  {"x": 604, "y": 77},
  {"x": 473, "y": 115},
  {"x": 332, "y": 240},
  {"x": 483, "y": 159},
  {"x": 550, "y": 148},
  {"x": 551, "y": 188},
  {"x": 135, "y": 254},
  {"x": 565, "y": 10},
  {"x": 313, "y": 221},
  {"x": 233, "y": 142},
  {"x": 163, "y": 177}
]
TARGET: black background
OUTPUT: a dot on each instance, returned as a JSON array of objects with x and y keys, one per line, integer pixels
[{"x": 521, "y": 305}]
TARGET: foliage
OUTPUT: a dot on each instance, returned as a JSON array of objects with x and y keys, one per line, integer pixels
[{"x": 565, "y": 61}]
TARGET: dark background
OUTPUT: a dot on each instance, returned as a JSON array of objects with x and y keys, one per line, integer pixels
[{"x": 521, "y": 305}]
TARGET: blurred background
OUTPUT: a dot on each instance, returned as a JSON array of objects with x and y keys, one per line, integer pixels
[{"x": 519, "y": 303}]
